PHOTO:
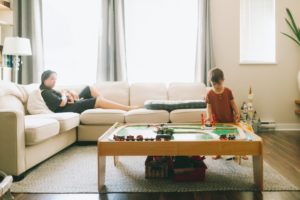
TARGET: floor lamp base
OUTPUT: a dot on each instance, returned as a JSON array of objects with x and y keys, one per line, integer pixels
[{"x": 15, "y": 70}]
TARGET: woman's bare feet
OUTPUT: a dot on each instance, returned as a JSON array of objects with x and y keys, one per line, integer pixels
[{"x": 216, "y": 157}]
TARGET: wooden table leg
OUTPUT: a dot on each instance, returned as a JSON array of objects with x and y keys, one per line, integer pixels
[
  {"x": 101, "y": 172},
  {"x": 258, "y": 171},
  {"x": 116, "y": 160}
]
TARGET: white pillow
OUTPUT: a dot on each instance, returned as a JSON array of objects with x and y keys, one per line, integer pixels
[{"x": 36, "y": 104}]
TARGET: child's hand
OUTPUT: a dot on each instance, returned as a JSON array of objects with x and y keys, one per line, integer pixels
[{"x": 237, "y": 118}]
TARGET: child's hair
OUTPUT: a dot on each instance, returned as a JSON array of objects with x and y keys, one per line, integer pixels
[{"x": 216, "y": 75}]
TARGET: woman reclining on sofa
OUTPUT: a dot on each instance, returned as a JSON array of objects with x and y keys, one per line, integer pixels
[{"x": 70, "y": 101}]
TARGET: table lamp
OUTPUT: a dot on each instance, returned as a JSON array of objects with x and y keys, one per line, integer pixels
[{"x": 16, "y": 47}]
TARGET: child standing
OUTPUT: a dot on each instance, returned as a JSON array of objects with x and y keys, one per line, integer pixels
[{"x": 220, "y": 101}]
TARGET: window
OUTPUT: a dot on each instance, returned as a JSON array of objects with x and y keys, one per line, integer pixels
[
  {"x": 70, "y": 33},
  {"x": 161, "y": 40},
  {"x": 257, "y": 31}
]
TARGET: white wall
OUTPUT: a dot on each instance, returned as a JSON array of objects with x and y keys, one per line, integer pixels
[{"x": 275, "y": 86}]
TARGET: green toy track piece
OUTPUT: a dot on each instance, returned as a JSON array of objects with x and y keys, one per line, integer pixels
[{"x": 223, "y": 131}]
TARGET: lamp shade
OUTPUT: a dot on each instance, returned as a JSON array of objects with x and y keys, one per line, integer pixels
[{"x": 17, "y": 46}]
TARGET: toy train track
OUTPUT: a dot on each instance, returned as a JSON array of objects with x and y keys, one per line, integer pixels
[{"x": 167, "y": 132}]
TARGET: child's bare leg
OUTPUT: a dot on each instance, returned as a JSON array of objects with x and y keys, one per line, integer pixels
[{"x": 245, "y": 157}]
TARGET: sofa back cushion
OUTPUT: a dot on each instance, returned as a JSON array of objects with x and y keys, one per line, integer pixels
[
  {"x": 10, "y": 96},
  {"x": 141, "y": 92},
  {"x": 26, "y": 90},
  {"x": 9, "y": 88},
  {"x": 115, "y": 91},
  {"x": 11, "y": 102},
  {"x": 186, "y": 91},
  {"x": 36, "y": 104}
]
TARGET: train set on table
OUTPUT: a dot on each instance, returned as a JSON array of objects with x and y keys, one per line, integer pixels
[
  {"x": 175, "y": 148},
  {"x": 178, "y": 132}
]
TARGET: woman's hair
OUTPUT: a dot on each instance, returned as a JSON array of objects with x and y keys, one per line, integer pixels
[
  {"x": 45, "y": 75},
  {"x": 216, "y": 75}
]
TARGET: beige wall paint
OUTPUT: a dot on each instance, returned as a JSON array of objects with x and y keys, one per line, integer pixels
[{"x": 275, "y": 86}]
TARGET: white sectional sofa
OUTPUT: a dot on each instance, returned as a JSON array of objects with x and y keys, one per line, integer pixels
[{"x": 26, "y": 140}]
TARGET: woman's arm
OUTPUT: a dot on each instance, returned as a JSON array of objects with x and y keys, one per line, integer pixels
[
  {"x": 54, "y": 99},
  {"x": 64, "y": 99},
  {"x": 73, "y": 94}
]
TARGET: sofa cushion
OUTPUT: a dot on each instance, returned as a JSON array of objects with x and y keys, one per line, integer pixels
[
  {"x": 186, "y": 91},
  {"x": 186, "y": 115},
  {"x": 67, "y": 120},
  {"x": 39, "y": 129},
  {"x": 140, "y": 92},
  {"x": 102, "y": 116},
  {"x": 36, "y": 104},
  {"x": 170, "y": 105},
  {"x": 115, "y": 91},
  {"x": 147, "y": 116}
]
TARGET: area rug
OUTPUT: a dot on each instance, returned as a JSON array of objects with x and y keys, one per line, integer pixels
[{"x": 74, "y": 170}]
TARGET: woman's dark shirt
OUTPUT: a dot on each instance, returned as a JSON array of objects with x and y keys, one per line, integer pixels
[{"x": 52, "y": 99}]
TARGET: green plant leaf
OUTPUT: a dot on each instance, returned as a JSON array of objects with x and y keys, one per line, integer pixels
[
  {"x": 298, "y": 42},
  {"x": 298, "y": 34},
  {"x": 292, "y": 19},
  {"x": 290, "y": 25}
]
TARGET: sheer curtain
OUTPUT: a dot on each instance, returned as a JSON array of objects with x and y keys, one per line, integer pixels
[
  {"x": 161, "y": 40},
  {"x": 28, "y": 23},
  {"x": 111, "y": 42},
  {"x": 204, "y": 54},
  {"x": 71, "y": 29}
]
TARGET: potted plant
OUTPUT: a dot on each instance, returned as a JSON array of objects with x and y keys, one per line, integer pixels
[{"x": 295, "y": 36}]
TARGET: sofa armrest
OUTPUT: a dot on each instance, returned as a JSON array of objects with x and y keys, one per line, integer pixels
[{"x": 12, "y": 142}]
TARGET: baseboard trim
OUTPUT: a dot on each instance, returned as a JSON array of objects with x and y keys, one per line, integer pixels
[{"x": 287, "y": 127}]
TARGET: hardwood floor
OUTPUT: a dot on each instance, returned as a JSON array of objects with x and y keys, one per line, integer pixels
[
  {"x": 167, "y": 196},
  {"x": 281, "y": 150}
]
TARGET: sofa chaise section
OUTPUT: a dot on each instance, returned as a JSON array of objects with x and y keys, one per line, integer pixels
[{"x": 26, "y": 140}]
